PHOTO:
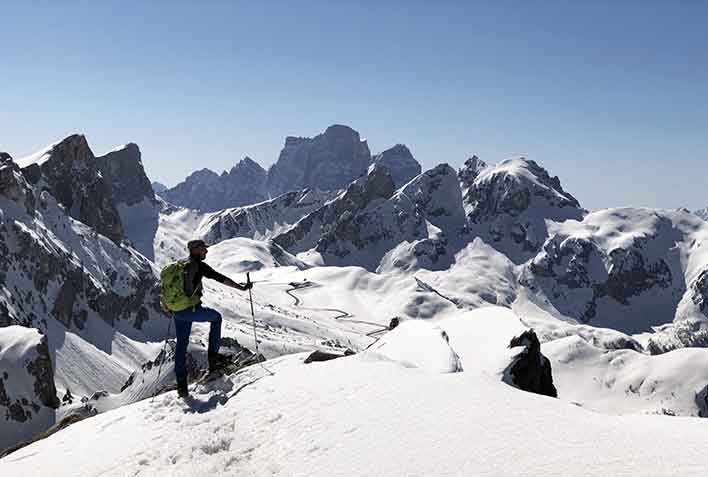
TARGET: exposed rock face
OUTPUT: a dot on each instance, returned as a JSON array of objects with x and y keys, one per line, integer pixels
[
  {"x": 377, "y": 185},
  {"x": 123, "y": 170},
  {"x": 208, "y": 191},
  {"x": 28, "y": 394},
  {"x": 530, "y": 370},
  {"x": 400, "y": 162},
  {"x": 328, "y": 161},
  {"x": 70, "y": 172},
  {"x": 703, "y": 213},
  {"x": 13, "y": 186},
  {"x": 133, "y": 196},
  {"x": 508, "y": 205},
  {"x": 469, "y": 172}
]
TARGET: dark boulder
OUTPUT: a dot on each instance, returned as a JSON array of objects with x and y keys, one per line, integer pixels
[{"x": 530, "y": 370}]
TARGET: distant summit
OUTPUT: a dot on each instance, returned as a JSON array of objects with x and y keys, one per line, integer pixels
[
  {"x": 329, "y": 161},
  {"x": 400, "y": 162},
  {"x": 207, "y": 191},
  {"x": 158, "y": 187}
]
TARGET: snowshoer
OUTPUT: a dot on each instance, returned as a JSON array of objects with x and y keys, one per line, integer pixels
[{"x": 181, "y": 292}]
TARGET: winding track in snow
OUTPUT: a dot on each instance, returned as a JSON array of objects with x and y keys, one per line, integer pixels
[{"x": 341, "y": 314}]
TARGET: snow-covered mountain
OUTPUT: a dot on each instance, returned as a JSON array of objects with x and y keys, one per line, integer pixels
[
  {"x": 509, "y": 204},
  {"x": 94, "y": 301},
  {"x": 70, "y": 171},
  {"x": 703, "y": 213},
  {"x": 207, "y": 191},
  {"x": 627, "y": 269},
  {"x": 329, "y": 161}
]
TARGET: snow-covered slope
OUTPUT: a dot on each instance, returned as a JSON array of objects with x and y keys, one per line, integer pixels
[
  {"x": 370, "y": 414},
  {"x": 261, "y": 221},
  {"x": 28, "y": 396},
  {"x": 207, "y": 191}
]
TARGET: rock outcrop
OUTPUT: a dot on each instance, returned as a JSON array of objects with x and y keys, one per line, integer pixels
[
  {"x": 28, "y": 394},
  {"x": 123, "y": 169},
  {"x": 400, "y": 162},
  {"x": 207, "y": 191},
  {"x": 69, "y": 171},
  {"x": 329, "y": 161},
  {"x": 133, "y": 196},
  {"x": 530, "y": 370}
]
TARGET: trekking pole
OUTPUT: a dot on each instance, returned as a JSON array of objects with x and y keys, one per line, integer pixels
[
  {"x": 253, "y": 315},
  {"x": 163, "y": 354}
]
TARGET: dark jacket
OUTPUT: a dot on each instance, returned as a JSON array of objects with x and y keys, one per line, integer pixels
[{"x": 194, "y": 271}]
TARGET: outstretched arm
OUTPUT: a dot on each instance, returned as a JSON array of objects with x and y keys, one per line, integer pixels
[
  {"x": 214, "y": 275},
  {"x": 246, "y": 286}
]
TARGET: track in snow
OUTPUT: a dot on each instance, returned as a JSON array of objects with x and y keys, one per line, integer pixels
[{"x": 341, "y": 315}]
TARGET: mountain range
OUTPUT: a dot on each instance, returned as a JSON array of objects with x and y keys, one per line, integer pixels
[{"x": 493, "y": 274}]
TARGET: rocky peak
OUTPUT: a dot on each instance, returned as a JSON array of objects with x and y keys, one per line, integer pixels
[
  {"x": 376, "y": 185},
  {"x": 470, "y": 170},
  {"x": 123, "y": 169},
  {"x": 400, "y": 162},
  {"x": 207, "y": 191},
  {"x": 69, "y": 171},
  {"x": 328, "y": 161},
  {"x": 437, "y": 196},
  {"x": 508, "y": 188},
  {"x": 13, "y": 185},
  {"x": 158, "y": 187},
  {"x": 508, "y": 205}
]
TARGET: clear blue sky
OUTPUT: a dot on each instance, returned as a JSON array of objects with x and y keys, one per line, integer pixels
[{"x": 610, "y": 96}]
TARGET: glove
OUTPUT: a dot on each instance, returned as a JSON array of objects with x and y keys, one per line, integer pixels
[{"x": 248, "y": 285}]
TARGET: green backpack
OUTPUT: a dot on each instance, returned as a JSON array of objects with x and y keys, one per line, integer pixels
[{"x": 172, "y": 295}]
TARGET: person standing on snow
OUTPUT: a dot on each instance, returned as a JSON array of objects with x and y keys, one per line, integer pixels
[{"x": 186, "y": 307}]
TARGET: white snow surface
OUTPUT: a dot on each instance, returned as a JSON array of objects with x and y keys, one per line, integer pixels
[{"x": 368, "y": 415}]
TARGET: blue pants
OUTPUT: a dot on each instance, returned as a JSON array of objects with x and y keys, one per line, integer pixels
[{"x": 183, "y": 327}]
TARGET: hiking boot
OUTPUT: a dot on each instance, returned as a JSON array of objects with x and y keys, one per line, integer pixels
[
  {"x": 218, "y": 361},
  {"x": 182, "y": 389}
]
